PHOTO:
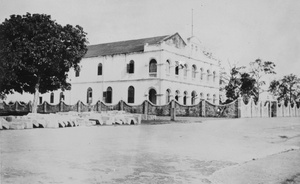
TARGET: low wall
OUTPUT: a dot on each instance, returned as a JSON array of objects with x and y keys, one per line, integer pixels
[
  {"x": 235, "y": 109},
  {"x": 267, "y": 109}
]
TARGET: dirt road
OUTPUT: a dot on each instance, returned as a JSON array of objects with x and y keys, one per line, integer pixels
[{"x": 218, "y": 151}]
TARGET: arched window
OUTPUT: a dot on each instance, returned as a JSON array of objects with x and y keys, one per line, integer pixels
[
  {"x": 100, "y": 69},
  {"x": 108, "y": 97},
  {"x": 177, "y": 95},
  {"x": 214, "y": 98},
  {"x": 194, "y": 68},
  {"x": 168, "y": 67},
  {"x": 193, "y": 99},
  {"x": 130, "y": 94},
  {"x": 168, "y": 95},
  {"x": 61, "y": 96},
  {"x": 185, "y": 97},
  {"x": 130, "y": 67},
  {"x": 208, "y": 75},
  {"x": 152, "y": 96},
  {"x": 201, "y": 73},
  {"x": 89, "y": 96},
  {"x": 185, "y": 70},
  {"x": 177, "y": 68},
  {"x": 52, "y": 98},
  {"x": 153, "y": 68},
  {"x": 214, "y": 76}
]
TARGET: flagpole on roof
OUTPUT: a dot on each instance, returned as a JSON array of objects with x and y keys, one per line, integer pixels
[{"x": 192, "y": 23}]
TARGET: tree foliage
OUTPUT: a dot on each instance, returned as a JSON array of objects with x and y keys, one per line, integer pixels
[
  {"x": 36, "y": 53},
  {"x": 258, "y": 69},
  {"x": 286, "y": 89},
  {"x": 248, "y": 84}
]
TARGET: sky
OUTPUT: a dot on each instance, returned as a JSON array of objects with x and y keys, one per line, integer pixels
[{"x": 235, "y": 31}]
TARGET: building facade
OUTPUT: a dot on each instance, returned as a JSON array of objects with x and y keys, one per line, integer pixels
[{"x": 158, "y": 69}]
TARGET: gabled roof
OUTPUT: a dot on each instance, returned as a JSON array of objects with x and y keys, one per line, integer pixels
[{"x": 122, "y": 47}]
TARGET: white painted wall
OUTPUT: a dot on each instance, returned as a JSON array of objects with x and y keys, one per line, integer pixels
[{"x": 114, "y": 75}]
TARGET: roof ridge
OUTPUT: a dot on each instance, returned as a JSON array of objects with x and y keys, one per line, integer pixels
[{"x": 163, "y": 37}]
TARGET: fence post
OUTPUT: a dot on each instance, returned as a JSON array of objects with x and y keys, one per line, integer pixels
[
  {"x": 270, "y": 110},
  {"x": 121, "y": 105},
  {"x": 61, "y": 106},
  {"x": 78, "y": 106},
  {"x": 45, "y": 106},
  {"x": 203, "y": 110},
  {"x": 99, "y": 106},
  {"x": 29, "y": 107},
  {"x": 146, "y": 109},
  {"x": 16, "y": 105},
  {"x": 173, "y": 111},
  {"x": 239, "y": 107}
]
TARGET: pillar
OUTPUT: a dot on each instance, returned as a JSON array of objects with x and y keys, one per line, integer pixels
[
  {"x": 146, "y": 109},
  {"x": 173, "y": 111}
]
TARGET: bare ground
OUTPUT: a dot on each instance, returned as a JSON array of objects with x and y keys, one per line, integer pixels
[{"x": 215, "y": 151}]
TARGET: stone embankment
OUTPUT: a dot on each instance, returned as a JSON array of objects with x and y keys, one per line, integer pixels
[{"x": 68, "y": 119}]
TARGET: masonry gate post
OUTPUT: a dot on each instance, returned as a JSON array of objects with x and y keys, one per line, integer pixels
[
  {"x": 239, "y": 107},
  {"x": 99, "y": 106},
  {"x": 61, "y": 106},
  {"x": 78, "y": 106},
  {"x": 146, "y": 109},
  {"x": 173, "y": 111},
  {"x": 203, "y": 110},
  {"x": 16, "y": 106},
  {"x": 121, "y": 105},
  {"x": 29, "y": 106},
  {"x": 45, "y": 106},
  {"x": 270, "y": 109}
]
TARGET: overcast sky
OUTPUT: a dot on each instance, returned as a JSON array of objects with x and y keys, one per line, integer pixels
[{"x": 234, "y": 30}]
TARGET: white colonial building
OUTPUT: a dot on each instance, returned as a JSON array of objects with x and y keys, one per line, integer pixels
[{"x": 158, "y": 69}]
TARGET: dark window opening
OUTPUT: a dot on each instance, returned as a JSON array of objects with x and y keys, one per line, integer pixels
[
  {"x": 130, "y": 67},
  {"x": 130, "y": 94},
  {"x": 89, "y": 96},
  {"x": 152, "y": 96},
  {"x": 100, "y": 69},
  {"x": 153, "y": 66},
  {"x": 108, "y": 98}
]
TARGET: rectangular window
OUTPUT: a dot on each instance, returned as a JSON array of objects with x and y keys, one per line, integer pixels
[{"x": 41, "y": 100}]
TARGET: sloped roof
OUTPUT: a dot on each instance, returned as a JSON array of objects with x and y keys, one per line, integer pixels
[{"x": 121, "y": 47}]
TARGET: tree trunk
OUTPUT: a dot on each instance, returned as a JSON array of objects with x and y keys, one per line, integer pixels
[
  {"x": 290, "y": 95},
  {"x": 36, "y": 97}
]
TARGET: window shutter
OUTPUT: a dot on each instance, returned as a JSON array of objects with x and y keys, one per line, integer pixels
[{"x": 104, "y": 94}]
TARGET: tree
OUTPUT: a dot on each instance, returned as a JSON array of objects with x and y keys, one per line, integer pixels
[
  {"x": 37, "y": 53},
  {"x": 287, "y": 88},
  {"x": 248, "y": 84},
  {"x": 248, "y": 88},
  {"x": 234, "y": 83},
  {"x": 258, "y": 69}
]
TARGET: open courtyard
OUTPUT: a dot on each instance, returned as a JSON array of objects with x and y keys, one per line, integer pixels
[{"x": 193, "y": 150}]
